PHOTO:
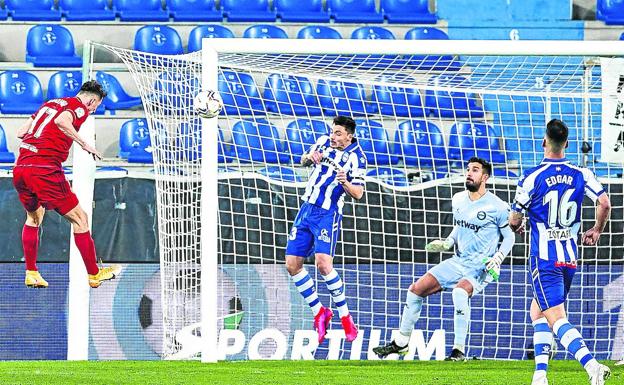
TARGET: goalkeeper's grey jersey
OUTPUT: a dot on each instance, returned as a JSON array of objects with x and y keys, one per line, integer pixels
[{"x": 478, "y": 226}]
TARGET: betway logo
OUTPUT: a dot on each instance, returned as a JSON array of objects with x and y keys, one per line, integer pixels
[
  {"x": 305, "y": 343},
  {"x": 468, "y": 225}
]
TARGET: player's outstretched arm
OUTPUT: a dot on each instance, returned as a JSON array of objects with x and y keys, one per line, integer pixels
[
  {"x": 21, "y": 132},
  {"x": 603, "y": 210},
  {"x": 64, "y": 123}
]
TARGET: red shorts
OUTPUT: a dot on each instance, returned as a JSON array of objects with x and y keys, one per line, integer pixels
[{"x": 42, "y": 186}]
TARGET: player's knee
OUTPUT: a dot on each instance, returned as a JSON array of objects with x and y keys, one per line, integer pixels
[
  {"x": 293, "y": 266},
  {"x": 324, "y": 265}
]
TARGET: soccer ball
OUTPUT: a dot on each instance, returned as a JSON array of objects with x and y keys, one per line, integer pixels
[{"x": 208, "y": 104}]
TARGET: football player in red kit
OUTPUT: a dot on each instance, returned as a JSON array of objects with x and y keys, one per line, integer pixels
[{"x": 40, "y": 181}]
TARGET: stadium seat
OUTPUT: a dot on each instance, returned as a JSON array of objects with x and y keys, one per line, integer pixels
[
  {"x": 134, "y": 141},
  {"x": 420, "y": 144},
  {"x": 389, "y": 175},
  {"x": 301, "y": 134},
  {"x": 20, "y": 92},
  {"x": 281, "y": 173},
  {"x": 354, "y": 11},
  {"x": 209, "y": 31},
  {"x": 258, "y": 142},
  {"x": 375, "y": 144},
  {"x": 176, "y": 91},
  {"x": 343, "y": 98},
  {"x": 610, "y": 11},
  {"x": 468, "y": 139},
  {"x": 64, "y": 84},
  {"x": 51, "y": 45},
  {"x": 248, "y": 10},
  {"x": 158, "y": 39},
  {"x": 372, "y": 61},
  {"x": 372, "y": 33},
  {"x": 140, "y": 10},
  {"x": 240, "y": 94},
  {"x": 32, "y": 10},
  {"x": 6, "y": 156},
  {"x": 407, "y": 12},
  {"x": 310, "y": 11},
  {"x": 452, "y": 104},
  {"x": 117, "y": 98},
  {"x": 291, "y": 95},
  {"x": 86, "y": 10},
  {"x": 431, "y": 62},
  {"x": 396, "y": 101},
  {"x": 4, "y": 13},
  {"x": 194, "y": 10},
  {"x": 318, "y": 32},
  {"x": 265, "y": 31}
]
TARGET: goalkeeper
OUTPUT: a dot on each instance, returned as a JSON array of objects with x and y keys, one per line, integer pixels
[{"x": 480, "y": 219}]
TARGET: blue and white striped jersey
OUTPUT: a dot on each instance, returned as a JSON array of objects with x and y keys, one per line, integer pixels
[
  {"x": 552, "y": 194},
  {"x": 323, "y": 189}
]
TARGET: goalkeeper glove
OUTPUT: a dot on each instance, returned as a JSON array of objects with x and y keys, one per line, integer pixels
[
  {"x": 440, "y": 245},
  {"x": 493, "y": 264}
]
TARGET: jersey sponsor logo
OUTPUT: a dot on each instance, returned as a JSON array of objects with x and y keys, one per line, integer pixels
[
  {"x": 481, "y": 215},
  {"x": 332, "y": 163},
  {"x": 324, "y": 237},
  {"x": 80, "y": 112},
  {"x": 560, "y": 234},
  {"x": 29, "y": 147},
  {"x": 468, "y": 225},
  {"x": 557, "y": 179},
  {"x": 345, "y": 157}
]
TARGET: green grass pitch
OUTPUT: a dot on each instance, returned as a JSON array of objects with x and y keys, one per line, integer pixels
[{"x": 293, "y": 372}]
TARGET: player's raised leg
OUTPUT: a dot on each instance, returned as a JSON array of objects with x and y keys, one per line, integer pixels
[
  {"x": 84, "y": 242},
  {"x": 30, "y": 244},
  {"x": 423, "y": 287}
]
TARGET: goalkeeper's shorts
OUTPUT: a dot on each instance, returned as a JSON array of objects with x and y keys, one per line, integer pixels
[
  {"x": 315, "y": 230},
  {"x": 451, "y": 271}
]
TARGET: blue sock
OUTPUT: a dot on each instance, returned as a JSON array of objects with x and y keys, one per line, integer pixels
[
  {"x": 542, "y": 340},
  {"x": 305, "y": 286},
  {"x": 462, "y": 318},
  {"x": 572, "y": 340}
]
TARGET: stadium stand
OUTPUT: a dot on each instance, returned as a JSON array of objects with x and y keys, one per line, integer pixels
[
  {"x": 420, "y": 144},
  {"x": 290, "y": 95},
  {"x": 140, "y": 10},
  {"x": 86, "y": 10},
  {"x": 343, "y": 98},
  {"x": 354, "y": 11},
  {"x": 210, "y": 31},
  {"x": 248, "y": 11},
  {"x": 407, "y": 12},
  {"x": 310, "y": 11},
  {"x": 117, "y": 98},
  {"x": 468, "y": 139},
  {"x": 51, "y": 45},
  {"x": 318, "y": 32},
  {"x": 33, "y": 10},
  {"x": 191, "y": 10},
  {"x": 265, "y": 31},
  {"x": 20, "y": 92},
  {"x": 6, "y": 156},
  {"x": 134, "y": 141},
  {"x": 240, "y": 94},
  {"x": 258, "y": 141},
  {"x": 158, "y": 39},
  {"x": 303, "y": 133},
  {"x": 375, "y": 143}
]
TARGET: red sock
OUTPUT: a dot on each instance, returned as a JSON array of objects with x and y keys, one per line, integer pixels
[
  {"x": 30, "y": 243},
  {"x": 85, "y": 245}
]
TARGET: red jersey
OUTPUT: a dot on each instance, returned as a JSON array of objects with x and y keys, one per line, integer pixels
[{"x": 45, "y": 144}]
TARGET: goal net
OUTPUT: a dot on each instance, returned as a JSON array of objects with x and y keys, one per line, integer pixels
[{"x": 421, "y": 111}]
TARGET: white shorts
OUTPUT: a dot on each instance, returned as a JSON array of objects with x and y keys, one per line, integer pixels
[{"x": 451, "y": 271}]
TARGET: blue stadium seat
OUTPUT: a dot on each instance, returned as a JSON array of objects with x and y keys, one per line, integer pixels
[
  {"x": 354, "y": 11},
  {"x": 310, "y": 11},
  {"x": 33, "y": 10},
  {"x": 190, "y": 143},
  {"x": 51, "y": 45},
  {"x": 374, "y": 141},
  {"x": 452, "y": 104},
  {"x": 468, "y": 139},
  {"x": 265, "y": 31},
  {"x": 372, "y": 33},
  {"x": 158, "y": 39},
  {"x": 434, "y": 62},
  {"x": 301, "y": 134},
  {"x": 248, "y": 10},
  {"x": 176, "y": 91},
  {"x": 396, "y": 101},
  {"x": 389, "y": 175},
  {"x": 6, "y": 156},
  {"x": 209, "y": 31},
  {"x": 281, "y": 173},
  {"x": 64, "y": 84},
  {"x": 407, "y": 12},
  {"x": 240, "y": 94},
  {"x": 420, "y": 144},
  {"x": 343, "y": 98},
  {"x": 134, "y": 141},
  {"x": 258, "y": 142},
  {"x": 194, "y": 10},
  {"x": 610, "y": 11},
  {"x": 318, "y": 32},
  {"x": 86, "y": 10},
  {"x": 20, "y": 92},
  {"x": 140, "y": 10},
  {"x": 117, "y": 98},
  {"x": 372, "y": 61},
  {"x": 291, "y": 95},
  {"x": 4, "y": 13}
]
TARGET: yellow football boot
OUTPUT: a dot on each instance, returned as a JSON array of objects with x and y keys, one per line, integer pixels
[
  {"x": 105, "y": 274},
  {"x": 34, "y": 279}
]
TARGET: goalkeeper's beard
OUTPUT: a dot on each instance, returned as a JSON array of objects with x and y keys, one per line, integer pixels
[{"x": 472, "y": 186}]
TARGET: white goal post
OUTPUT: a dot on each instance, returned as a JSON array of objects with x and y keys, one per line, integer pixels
[{"x": 225, "y": 207}]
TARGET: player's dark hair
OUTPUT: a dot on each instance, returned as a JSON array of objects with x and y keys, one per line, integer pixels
[
  {"x": 346, "y": 122},
  {"x": 487, "y": 167},
  {"x": 557, "y": 134},
  {"x": 93, "y": 87}
]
